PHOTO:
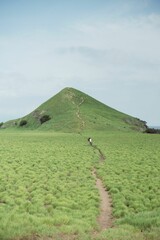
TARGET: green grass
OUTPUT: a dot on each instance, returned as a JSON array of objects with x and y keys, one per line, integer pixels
[
  {"x": 131, "y": 172},
  {"x": 63, "y": 109},
  {"x": 46, "y": 180},
  {"x": 47, "y": 187},
  {"x": 131, "y": 175}
]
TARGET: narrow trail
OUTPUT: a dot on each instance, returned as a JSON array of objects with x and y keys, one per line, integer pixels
[
  {"x": 102, "y": 156},
  {"x": 105, "y": 219},
  {"x": 78, "y": 111},
  {"x": 78, "y": 114}
]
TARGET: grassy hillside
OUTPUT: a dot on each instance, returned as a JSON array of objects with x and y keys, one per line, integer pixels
[{"x": 74, "y": 111}]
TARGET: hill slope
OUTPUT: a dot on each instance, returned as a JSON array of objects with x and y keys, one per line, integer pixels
[{"x": 74, "y": 111}]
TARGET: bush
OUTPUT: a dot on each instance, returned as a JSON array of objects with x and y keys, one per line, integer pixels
[
  {"x": 1, "y": 124},
  {"x": 45, "y": 118},
  {"x": 152, "y": 130},
  {"x": 22, "y": 123}
]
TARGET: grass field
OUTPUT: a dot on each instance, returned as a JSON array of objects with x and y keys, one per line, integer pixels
[
  {"x": 47, "y": 187},
  {"x": 131, "y": 173}
]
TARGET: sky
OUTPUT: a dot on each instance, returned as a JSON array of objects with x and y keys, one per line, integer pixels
[{"x": 107, "y": 49}]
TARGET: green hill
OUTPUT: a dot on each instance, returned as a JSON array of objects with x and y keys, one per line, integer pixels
[{"x": 74, "y": 111}]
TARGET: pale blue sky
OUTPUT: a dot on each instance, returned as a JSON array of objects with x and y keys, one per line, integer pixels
[{"x": 107, "y": 49}]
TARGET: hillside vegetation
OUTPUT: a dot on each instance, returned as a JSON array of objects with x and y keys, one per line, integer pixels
[
  {"x": 48, "y": 192},
  {"x": 74, "y": 111},
  {"x": 49, "y": 176}
]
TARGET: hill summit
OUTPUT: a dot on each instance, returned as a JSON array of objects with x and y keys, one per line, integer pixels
[{"x": 71, "y": 110}]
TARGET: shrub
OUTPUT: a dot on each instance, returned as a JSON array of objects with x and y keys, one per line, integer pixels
[
  {"x": 45, "y": 118},
  {"x": 152, "y": 130},
  {"x": 1, "y": 124},
  {"x": 22, "y": 123}
]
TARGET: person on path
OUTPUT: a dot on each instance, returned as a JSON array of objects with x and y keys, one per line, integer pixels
[{"x": 90, "y": 141}]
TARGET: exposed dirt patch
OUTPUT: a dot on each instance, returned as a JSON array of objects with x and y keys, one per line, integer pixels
[
  {"x": 105, "y": 217},
  {"x": 30, "y": 237},
  {"x": 59, "y": 236}
]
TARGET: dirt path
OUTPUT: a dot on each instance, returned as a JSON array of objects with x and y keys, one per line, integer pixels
[
  {"x": 78, "y": 114},
  {"x": 105, "y": 217},
  {"x": 82, "y": 123},
  {"x": 102, "y": 157}
]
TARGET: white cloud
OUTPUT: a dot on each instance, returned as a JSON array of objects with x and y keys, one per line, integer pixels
[{"x": 99, "y": 55}]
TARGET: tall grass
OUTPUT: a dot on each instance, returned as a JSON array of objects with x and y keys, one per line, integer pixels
[
  {"x": 47, "y": 187},
  {"x": 131, "y": 175}
]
